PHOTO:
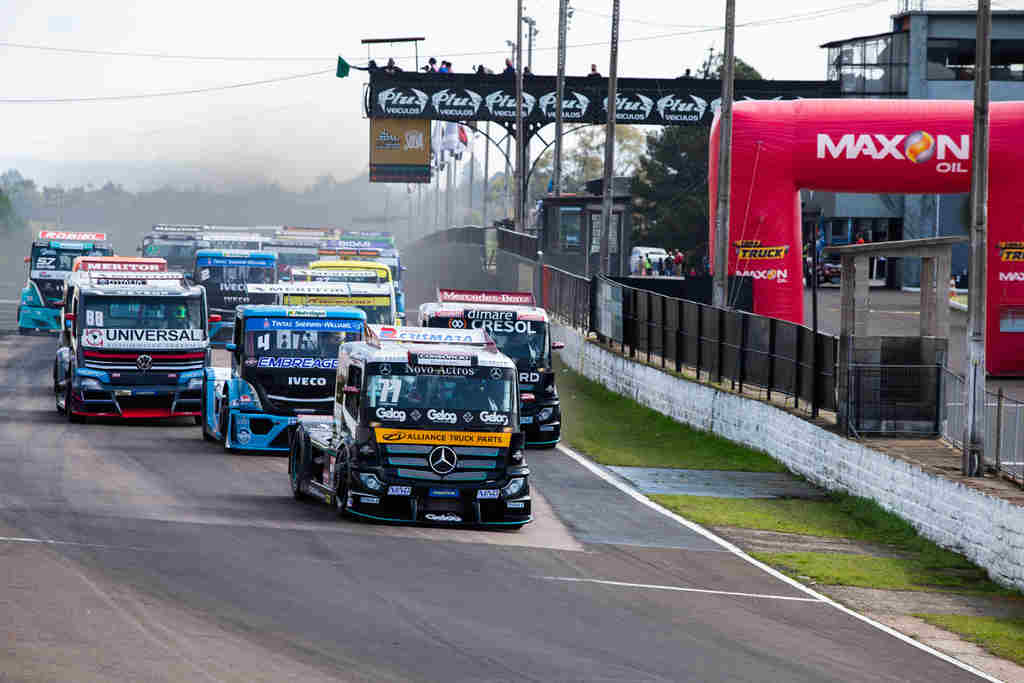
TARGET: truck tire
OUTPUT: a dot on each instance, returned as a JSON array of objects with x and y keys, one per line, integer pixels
[
  {"x": 72, "y": 418},
  {"x": 296, "y": 466},
  {"x": 202, "y": 416}
]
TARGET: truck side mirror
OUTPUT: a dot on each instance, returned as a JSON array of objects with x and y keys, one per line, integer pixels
[
  {"x": 214, "y": 318},
  {"x": 231, "y": 346},
  {"x": 557, "y": 346},
  {"x": 70, "y": 317},
  {"x": 27, "y": 259}
]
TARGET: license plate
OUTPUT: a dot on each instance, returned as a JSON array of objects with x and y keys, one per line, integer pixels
[
  {"x": 517, "y": 505},
  {"x": 443, "y": 493},
  {"x": 526, "y": 420},
  {"x": 373, "y": 500},
  {"x": 399, "y": 490},
  {"x": 485, "y": 494}
]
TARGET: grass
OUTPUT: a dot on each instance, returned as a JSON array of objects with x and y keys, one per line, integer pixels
[
  {"x": 838, "y": 516},
  {"x": 615, "y": 430},
  {"x": 925, "y": 566},
  {"x": 1002, "y": 637},
  {"x": 914, "y": 573},
  {"x": 960, "y": 299}
]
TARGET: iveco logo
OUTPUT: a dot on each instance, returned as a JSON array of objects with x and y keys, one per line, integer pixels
[
  {"x": 307, "y": 381},
  {"x": 443, "y": 460},
  {"x": 144, "y": 362}
]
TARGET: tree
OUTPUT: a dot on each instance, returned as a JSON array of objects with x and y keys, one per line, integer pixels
[
  {"x": 584, "y": 160},
  {"x": 670, "y": 189}
]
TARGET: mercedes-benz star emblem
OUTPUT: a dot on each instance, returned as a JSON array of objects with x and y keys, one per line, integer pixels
[
  {"x": 144, "y": 362},
  {"x": 385, "y": 369},
  {"x": 495, "y": 373},
  {"x": 443, "y": 460}
]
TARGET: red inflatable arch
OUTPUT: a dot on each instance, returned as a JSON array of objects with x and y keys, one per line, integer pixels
[{"x": 870, "y": 146}]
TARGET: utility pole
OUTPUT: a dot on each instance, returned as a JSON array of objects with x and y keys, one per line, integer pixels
[
  {"x": 519, "y": 117},
  {"x": 507, "y": 203},
  {"x": 531, "y": 33},
  {"x": 563, "y": 9},
  {"x": 609, "y": 146},
  {"x": 487, "y": 169},
  {"x": 472, "y": 165},
  {"x": 720, "y": 285},
  {"x": 973, "y": 461}
]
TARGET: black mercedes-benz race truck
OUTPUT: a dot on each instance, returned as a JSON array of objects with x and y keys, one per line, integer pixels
[
  {"x": 425, "y": 430},
  {"x": 522, "y": 332}
]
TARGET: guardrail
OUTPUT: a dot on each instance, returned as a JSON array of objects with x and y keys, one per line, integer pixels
[
  {"x": 519, "y": 243},
  {"x": 1004, "y": 427},
  {"x": 747, "y": 350}
]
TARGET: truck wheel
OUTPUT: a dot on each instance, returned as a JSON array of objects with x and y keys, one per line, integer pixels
[
  {"x": 341, "y": 495},
  {"x": 72, "y": 418},
  {"x": 295, "y": 467}
]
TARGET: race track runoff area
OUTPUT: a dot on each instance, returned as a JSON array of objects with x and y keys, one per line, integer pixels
[{"x": 141, "y": 552}]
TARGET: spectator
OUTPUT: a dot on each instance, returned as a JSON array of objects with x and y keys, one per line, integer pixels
[
  {"x": 526, "y": 72},
  {"x": 647, "y": 265},
  {"x": 509, "y": 68},
  {"x": 431, "y": 66},
  {"x": 593, "y": 72},
  {"x": 686, "y": 74},
  {"x": 391, "y": 68},
  {"x": 679, "y": 259},
  {"x": 481, "y": 71},
  {"x": 446, "y": 67},
  {"x": 860, "y": 239}
]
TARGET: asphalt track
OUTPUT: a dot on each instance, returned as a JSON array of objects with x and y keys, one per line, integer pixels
[{"x": 140, "y": 552}]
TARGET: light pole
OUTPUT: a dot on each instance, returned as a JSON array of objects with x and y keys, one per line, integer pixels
[
  {"x": 508, "y": 148},
  {"x": 720, "y": 284},
  {"x": 531, "y": 33},
  {"x": 609, "y": 150},
  {"x": 563, "y": 11}
]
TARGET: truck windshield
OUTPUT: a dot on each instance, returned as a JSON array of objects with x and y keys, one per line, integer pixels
[
  {"x": 456, "y": 395},
  {"x": 529, "y": 344},
  {"x": 49, "y": 258},
  {"x": 144, "y": 312},
  {"x": 178, "y": 254},
  {"x": 297, "y": 343}
]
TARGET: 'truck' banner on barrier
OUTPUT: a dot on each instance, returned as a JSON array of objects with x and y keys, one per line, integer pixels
[{"x": 663, "y": 102}]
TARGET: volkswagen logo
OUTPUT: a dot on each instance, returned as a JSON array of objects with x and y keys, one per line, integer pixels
[
  {"x": 145, "y": 362},
  {"x": 443, "y": 460}
]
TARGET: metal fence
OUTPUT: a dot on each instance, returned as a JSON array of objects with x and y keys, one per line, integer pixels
[
  {"x": 566, "y": 296},
  {"x": 1004, "y": 427},
  {"x": 895, "y": 399},
  {"x": 519, "y": 243},
  {"x": 750, "y": 351}
]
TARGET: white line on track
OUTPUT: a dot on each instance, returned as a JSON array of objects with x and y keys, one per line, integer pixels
[
  {"x": 46, "y": 541},
  {"x": 10, "y": 301},
  {"x": 601, "y": 473},
  {"x": 680, "y": 589}
]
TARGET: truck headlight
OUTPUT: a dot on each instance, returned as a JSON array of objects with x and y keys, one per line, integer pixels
[
  {"x": 247, "y": 397},
  {"x": 545, "y": 414},
  {"x": 195, "y": 383},
  {"x": 370, "y": 481},
  {"x": 90, "y": 383},
  {"x": 514, "y": 487}
]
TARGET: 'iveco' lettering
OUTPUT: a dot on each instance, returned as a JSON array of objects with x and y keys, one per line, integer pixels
[
  {"x": 307, "y": 381},
  {"x": 276, "y": 362}
]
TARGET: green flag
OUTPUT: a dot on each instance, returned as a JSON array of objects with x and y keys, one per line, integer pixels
[{"x": 343, "y": 68}]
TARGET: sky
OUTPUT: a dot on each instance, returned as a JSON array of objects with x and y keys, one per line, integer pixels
[{"x": 295, "y": 130}]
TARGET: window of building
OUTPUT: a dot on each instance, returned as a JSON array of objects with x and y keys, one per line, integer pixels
[
  {"x": 953, "y": 60},
  {"x": 570, "y": 229},
  {"x": 875, "y": 66}
]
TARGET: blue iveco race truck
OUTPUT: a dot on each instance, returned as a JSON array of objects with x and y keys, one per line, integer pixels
[
  {"x": 224, "y": 273},
  {"x": 283, "y": 363},
  {"x": 49, "y": 265}
]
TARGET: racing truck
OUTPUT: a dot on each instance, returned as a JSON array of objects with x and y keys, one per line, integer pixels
[
  {"x": 522, "y": 332},
  {"x": 425, "y": 429},
  {"x": 224, "y": 273},
  {"x": 283, "y": 362},
  {"x": 177, "y": 244},
  {"x": 358, "y": 288},
  {"x": 132, "y": 346},
  {"x": 49, "y": 265},
  {"x": 293, "y": 252}
]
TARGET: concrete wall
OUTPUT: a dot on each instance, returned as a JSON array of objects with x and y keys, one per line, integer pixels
[{"x": 989, "y": 531}]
